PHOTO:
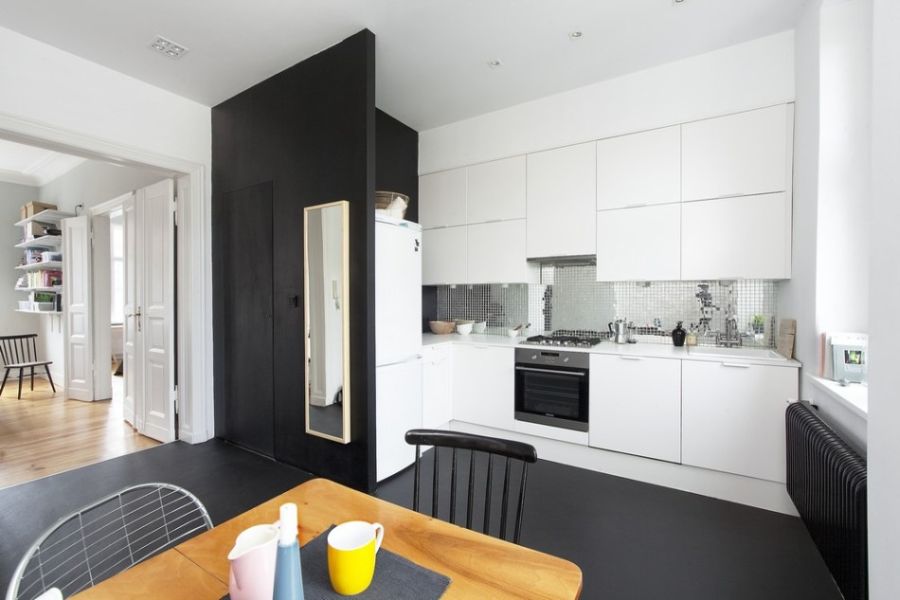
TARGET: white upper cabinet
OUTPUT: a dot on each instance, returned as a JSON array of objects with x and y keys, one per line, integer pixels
[
  {"x": 442, "y": 199},
  {"x": 496, "y": 191},
  {"x": 562, "y": 201},
  {"x": 737, "y": 155},
  {"x": 747, "y": 237},
  {"x": 636, "y": 406},
  {"x": 639, "y": 169},
  {"x": 496, "y": 254},
  {"x": 639, "y": 244},
  {"x": 444, "y": 255}
]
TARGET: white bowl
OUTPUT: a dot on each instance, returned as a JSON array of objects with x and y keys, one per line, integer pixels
[
  {"x": 479, "y": 327},
  {"x": 464, "y": 328},
  {"x": 513, "y": 332}
]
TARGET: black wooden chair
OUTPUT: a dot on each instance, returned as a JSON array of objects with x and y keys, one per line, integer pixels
[
  {"x": 460, "y": 443},
  {"x": 19, "y": 352}
]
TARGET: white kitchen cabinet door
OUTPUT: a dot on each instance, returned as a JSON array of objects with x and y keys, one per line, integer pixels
[
  {"x": 736, "y": 155},
  {"x": 398, "y": 408},
  {"x": 562, "y": 200},
  {"x": 496, "y": 254},
  {"x": 636, "y": 406},
  {"x": 437, "y": 386},
  {"x": 733, "y": 417},
  {"x": 484, "y": 385},
  {"x": 496, "y": 191},
  {"x": 639, "y": 244},
  {"x": 639, "y": 169},
  {"x": 442, "y": 199},
  {"x": 748, "y": 237},
  {"x": 444, "y": 255}
]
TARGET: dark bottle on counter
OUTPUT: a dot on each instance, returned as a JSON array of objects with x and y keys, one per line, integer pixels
[{"x": 678, "y": 334}]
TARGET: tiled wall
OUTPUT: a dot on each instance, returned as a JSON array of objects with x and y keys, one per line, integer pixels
[{"x": 570, "y": 298}]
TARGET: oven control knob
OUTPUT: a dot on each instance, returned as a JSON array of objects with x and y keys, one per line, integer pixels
[
  {"x": 534, "y": 357},
  {"x": 566, "y": 359}
]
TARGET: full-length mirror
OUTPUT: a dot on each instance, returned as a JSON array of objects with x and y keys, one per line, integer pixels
[{"x": 326, "y": 263}]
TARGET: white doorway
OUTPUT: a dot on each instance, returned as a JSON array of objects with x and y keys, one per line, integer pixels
[{"x": 120, "y": 313}]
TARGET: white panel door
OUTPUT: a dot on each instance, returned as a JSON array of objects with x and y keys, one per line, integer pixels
[
  {"x": 639, "y": 169},
  {"x": 484, "y": 385},
  {"x": 79, "y": 351},
  {"x": 442, "y": 198},
  {"x": 398, "y": 408},
  {"x": 398, "y": 293},
  {"x": 131, "y": 348},
  {"x": 496, "y": 254},
  {"x": 641, "y": 244},
  {"x": 747, "y": 237},
  {"x": 636, "y": 406},
  {"x": 444, "y": 255},
  {"x": 562, "y": 201},
  {"x": 733, "y": 417},
  {"x": 101, "y": 272},
  {"x": 496, "y": 191},
  {"x": 736, "y": 155},
  {"x": 157, "y": 260}
]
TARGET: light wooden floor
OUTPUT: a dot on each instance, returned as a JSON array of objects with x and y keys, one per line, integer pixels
[{"x": 43, "y": 433}]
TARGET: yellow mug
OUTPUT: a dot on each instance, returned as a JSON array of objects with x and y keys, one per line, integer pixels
[{"x": 352, "y": 547}]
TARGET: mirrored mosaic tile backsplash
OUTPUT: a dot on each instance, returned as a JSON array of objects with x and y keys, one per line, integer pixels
[{"x": 569, "y": 297}]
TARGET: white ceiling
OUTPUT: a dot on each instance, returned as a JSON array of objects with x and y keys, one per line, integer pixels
[
  {"x": 431, "y": 55},
  {"x": 27, "y": 165}
]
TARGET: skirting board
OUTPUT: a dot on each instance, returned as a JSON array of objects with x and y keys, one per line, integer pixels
[{"x": 760, "y": 493}]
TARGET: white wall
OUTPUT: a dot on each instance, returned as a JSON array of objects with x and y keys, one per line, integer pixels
[
  {"x": 741, "y": 77},
  {"x": 797, "y": 296},
  {"x": 884, "y": 298},
  {"x": 842, "y": 273},
  {"x": 13, "y": 196},
  {"x": 90, "y": 183}
]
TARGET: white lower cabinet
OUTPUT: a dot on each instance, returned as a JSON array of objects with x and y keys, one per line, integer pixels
[
  {"x": 733, "y": 417},
  {"x": 635, "y": 406},
  {"x": 483, "y": 385},
  {"x": 437, "y": 385}
]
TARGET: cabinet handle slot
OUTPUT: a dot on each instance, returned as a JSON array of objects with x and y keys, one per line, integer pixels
[{"x": 736, "y": 365}]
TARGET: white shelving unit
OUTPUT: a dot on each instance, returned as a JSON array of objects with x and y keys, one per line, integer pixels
[{"x": 48, "y": 242}]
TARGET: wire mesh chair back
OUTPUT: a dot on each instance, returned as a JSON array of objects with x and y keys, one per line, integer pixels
[
  {"x": 107, "y": 537},
  {"x": 470, "y": 473}
]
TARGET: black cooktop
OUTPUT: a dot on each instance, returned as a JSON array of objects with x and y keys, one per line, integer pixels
[{"x": 567, "y": 338}]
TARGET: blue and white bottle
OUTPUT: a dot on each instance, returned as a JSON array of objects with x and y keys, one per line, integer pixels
[{"x": 288, "y": 575}]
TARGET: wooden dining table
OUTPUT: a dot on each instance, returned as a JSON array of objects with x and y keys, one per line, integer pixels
[{"x": 478, "y": 566}]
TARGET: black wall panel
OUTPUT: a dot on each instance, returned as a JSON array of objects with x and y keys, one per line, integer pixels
[
  {"x": 310, "y": 132},
  {"x": 397, "y": 160}
]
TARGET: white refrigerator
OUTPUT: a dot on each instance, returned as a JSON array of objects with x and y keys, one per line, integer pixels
[{"x": 398, "y": 341}]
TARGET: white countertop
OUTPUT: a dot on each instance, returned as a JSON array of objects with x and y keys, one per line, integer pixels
[
  {"x": 759, "y": 356},
  {"x": 855, "y": 396}
]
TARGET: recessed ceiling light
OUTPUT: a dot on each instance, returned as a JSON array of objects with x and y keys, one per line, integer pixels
[
  {"x": 575, "y": 35},
  {"x": 168, "y": 47},
  {"x": 494, "y": 63}
]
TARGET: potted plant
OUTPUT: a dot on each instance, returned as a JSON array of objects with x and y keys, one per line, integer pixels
[{"x": 758, "y": 323}]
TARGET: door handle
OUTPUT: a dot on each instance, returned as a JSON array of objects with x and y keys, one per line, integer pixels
[
  {"x": 630, "y": 357},
  {"x": 137, "y": 316}
]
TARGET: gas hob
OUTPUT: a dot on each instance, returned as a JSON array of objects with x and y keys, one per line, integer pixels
[{"x": 567, "y": 338}]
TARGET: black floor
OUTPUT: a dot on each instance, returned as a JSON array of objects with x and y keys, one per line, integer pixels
[
  {"x": 632, "y": 540},
  {"x": 226, "y": 479},
  {"x": 636, "y": 541}
]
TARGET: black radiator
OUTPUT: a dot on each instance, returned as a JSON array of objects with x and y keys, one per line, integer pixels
[{"x": 826, "y": 479}]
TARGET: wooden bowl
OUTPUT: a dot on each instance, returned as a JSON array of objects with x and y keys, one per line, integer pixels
[{"x": 441, "y": 327}]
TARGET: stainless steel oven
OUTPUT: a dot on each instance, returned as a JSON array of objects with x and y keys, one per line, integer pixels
[{"x": 552, "y": 388}]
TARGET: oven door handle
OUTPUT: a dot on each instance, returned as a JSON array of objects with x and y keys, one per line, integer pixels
[{"x": 533, "y": 370}]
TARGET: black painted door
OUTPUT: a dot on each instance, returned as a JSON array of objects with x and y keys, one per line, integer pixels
[{"x": 246, "y": 246}]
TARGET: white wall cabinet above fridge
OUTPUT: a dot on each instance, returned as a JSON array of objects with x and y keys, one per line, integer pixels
[
  {"x": 496, "y": 191},
  {"x": 562, "y": 200},
  {"x": 639, "y": 169},
  {"x": 737, "y": 155},
  {"x": 442, "y": 199}
]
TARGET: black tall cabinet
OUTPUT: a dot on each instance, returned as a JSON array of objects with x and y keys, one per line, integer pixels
[{"x": 302, "y": 137}]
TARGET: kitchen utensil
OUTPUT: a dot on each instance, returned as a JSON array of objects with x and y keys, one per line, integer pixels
[
  {"x": 252, "y": 562},
  {"x": 464, "y": 328},
  {"x": 352, "y": 548},
  {"x": 479, "y": 327},
  {"x": 618, "y": 331},
  {"x": 441, "y": 327}
]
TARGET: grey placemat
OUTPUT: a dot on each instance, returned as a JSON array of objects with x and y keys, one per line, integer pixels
[{"x": 395, "y": 577}]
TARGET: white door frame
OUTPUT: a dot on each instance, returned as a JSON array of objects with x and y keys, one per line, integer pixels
[{"x": 194, "y": 337}]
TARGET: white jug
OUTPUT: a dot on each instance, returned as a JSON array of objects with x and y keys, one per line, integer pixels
[{"x": 252, "y": 574}]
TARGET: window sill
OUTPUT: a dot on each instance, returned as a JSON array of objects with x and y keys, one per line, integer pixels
[{"x": 855, "y": 396}]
